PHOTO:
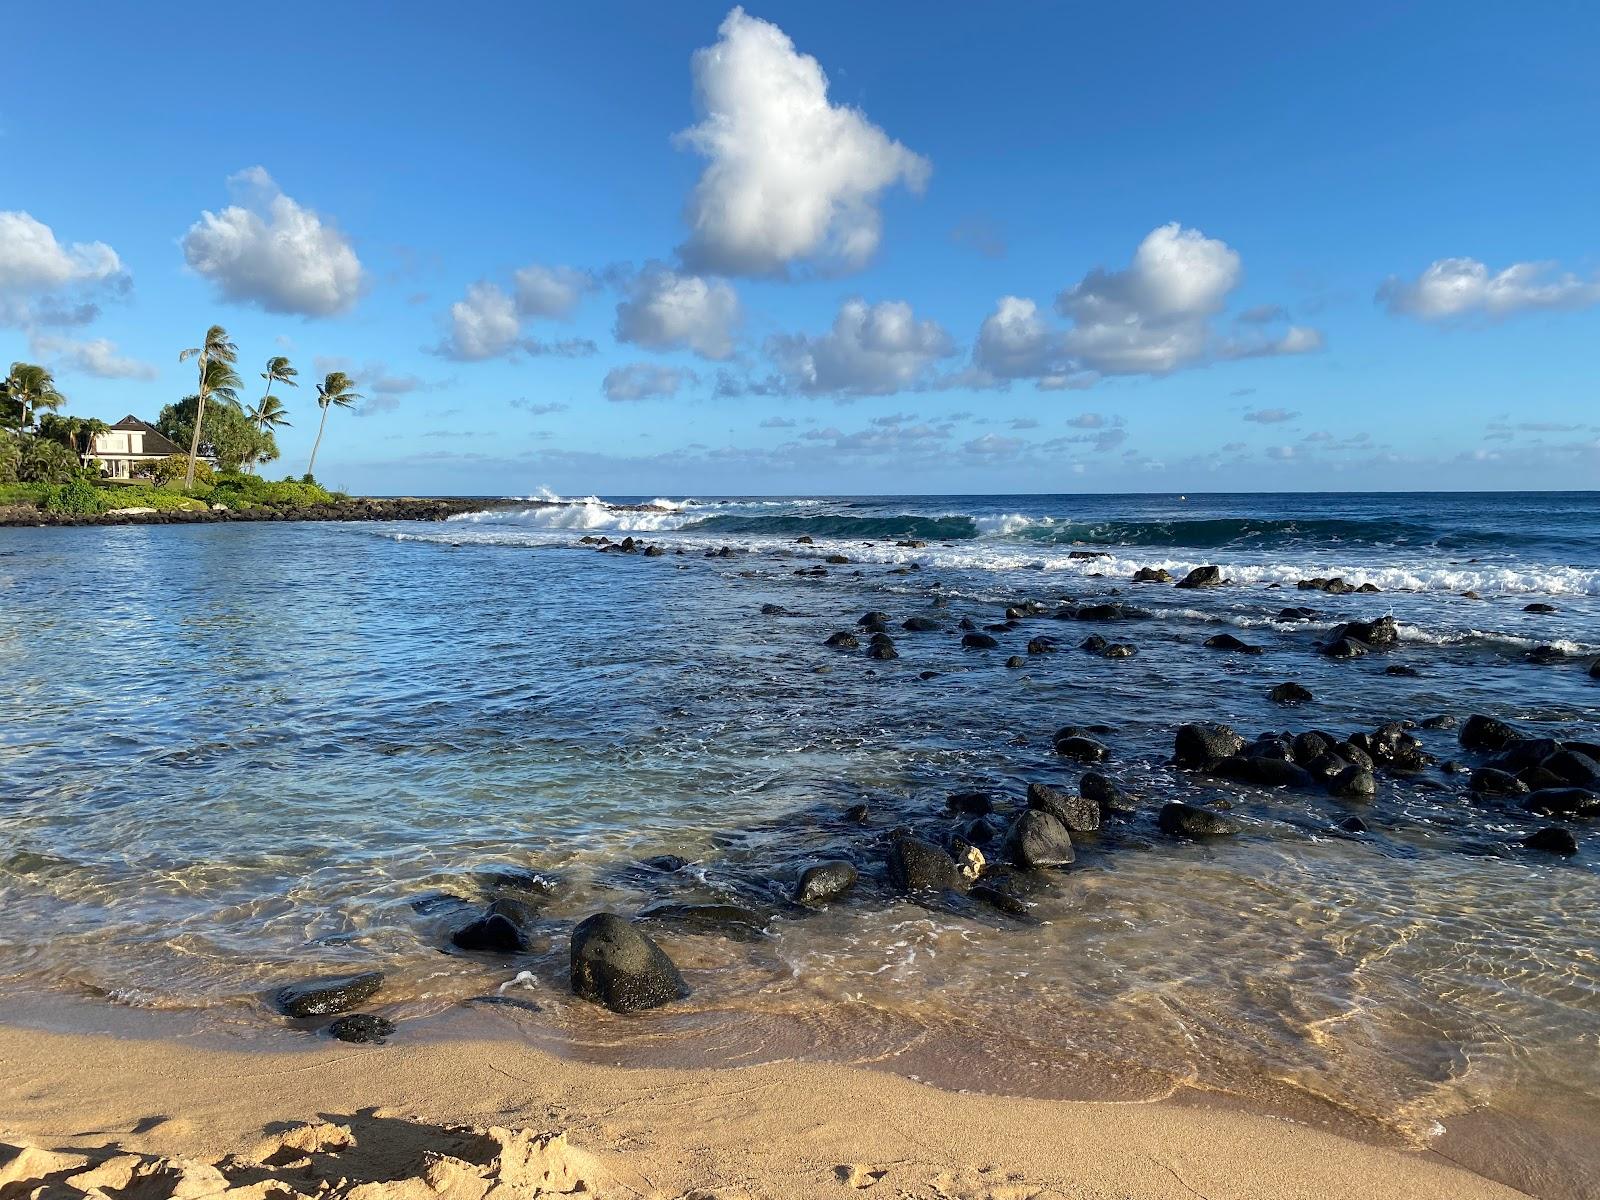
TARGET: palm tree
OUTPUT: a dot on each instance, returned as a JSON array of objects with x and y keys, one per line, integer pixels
[
  {"x": 31, "y": 386},
  {"x": 335, "y": 389},
  {"x": 270, "y": 414},
  {"x": 217, "y": 356},
  {"x": 89, "y": 430}
]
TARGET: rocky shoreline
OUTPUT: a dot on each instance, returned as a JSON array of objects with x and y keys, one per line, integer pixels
[{"x": 360, "y": 508}]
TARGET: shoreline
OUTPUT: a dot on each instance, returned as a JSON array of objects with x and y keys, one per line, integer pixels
[
  {"x": 783, "y": 1129},
  {"x": 358, "y": 508}
]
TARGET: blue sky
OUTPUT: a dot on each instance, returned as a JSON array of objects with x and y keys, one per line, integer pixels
[{"x": 842, "y": 248}]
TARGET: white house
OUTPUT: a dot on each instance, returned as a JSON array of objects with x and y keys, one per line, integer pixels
[{"x": 130, "y": 444}]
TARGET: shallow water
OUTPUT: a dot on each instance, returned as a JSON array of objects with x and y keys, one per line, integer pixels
[{"x": 240, "y": 755}]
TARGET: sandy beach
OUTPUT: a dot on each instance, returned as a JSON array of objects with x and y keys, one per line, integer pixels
[{"x": 165, "y": 1118}]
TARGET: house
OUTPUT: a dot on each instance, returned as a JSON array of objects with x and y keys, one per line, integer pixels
[{"x": 130, "y": 445}]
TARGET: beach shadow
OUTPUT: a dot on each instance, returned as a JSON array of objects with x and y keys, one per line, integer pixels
[{"x": 361, "y": 1147}]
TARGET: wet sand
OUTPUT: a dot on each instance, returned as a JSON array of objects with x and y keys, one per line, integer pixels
[{"x": 157, "y": 1114}]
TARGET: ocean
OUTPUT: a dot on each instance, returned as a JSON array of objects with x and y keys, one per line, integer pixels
[{"x": 235, "y": 756}]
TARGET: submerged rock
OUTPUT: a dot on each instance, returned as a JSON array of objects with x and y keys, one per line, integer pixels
[
  {"x": 1152, "y": 575},
  {"x": 1343, "y": 648},
  {"x": 1037, "y": 839},
  {"x": 921, "y": 624},
  {"x": 1487, "y": 733},
  {"x": 842, "y": 641},
  {"x": 1081, "y": 749},
  {"x": 979, "y": 641},
  {"x": 1263, "y": 772},
  {"x": 1226, "y": 641},
  {"x": 1290, "y": 693},
  {"x": 1119, "y": 650},
  {"x": 1353, "y": 783},
  {"x": 615, "y": 965},
  {"x": 500, "y": 930},
  {"x": 362, "y": 1028},
  {"x": 1563, "y": 802},
  {"x": 1111, "y": 798},
  {"x": 324, "y": 997},
  {"x": 1188, "y": 820},
  {"x": 1552, "y": 839}
]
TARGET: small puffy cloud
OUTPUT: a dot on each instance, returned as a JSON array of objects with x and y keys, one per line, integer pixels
[
  {"x": 1016, "y": 342},
  {"x": 1263, "y": 314},
  {"x": 270, "y": 251},
  {"x": 982, "y": 235},
  {"x": 487, "y": 323},
  {"x": 550, "y": 291},
  {"x": 665, "y": 310},
  {"x": 1461, "y": 288},
  {"x": 1270, "y": 416},
  {"x": 993, "y": 448},
  {"x": 1092, "y": 420},
  {"x": 482, "y": 325},
  {"x": 1023, "y": 423},
  {"x": 644, "y": 381},
  {"x": 778, "y": 423},
  {"x": 43, "y": 280},
  {"x": 872, "y": 350},
  {"x": 96, "y": 356},
  {"x": 1280, "y": 453},
  {"x": 791, "y": 176}
]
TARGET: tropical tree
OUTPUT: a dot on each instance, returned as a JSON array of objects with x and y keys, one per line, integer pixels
[
  {"x": 336, "y": 389},
  {"x": 230, "y": 436},
  {"x": 217, "y": 356},
  {"x": 270, "y": 414},
  {"x": 31, "y": 386},
  {"x": 75, "y": 433}
]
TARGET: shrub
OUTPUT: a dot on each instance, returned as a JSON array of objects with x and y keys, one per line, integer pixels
[
  {"x": 77, "y": 496},
  {"x": 176, "y": 466},
  {"x": 10, "y": 457},
  {"x": 43, "y": 461},
  {"x": 250, "y": 491}
]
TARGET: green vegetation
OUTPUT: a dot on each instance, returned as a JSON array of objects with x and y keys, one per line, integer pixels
[
  {"x": 230, "y": 436},
  {"x": 216, "y": 356}
]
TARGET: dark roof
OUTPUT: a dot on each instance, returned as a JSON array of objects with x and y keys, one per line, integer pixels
[{"x": 155, "y": 442}]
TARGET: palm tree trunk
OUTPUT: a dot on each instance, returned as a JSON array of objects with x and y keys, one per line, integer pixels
[
  {"x": 194, "y": 441},
  {"x": 262, "y": 424},
  {"x": 321, "y": 425}
]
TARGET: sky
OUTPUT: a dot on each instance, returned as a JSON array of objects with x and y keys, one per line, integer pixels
[{"x": 687, "y": 249}]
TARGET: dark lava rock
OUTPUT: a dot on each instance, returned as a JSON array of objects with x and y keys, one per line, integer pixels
[
  {"x": 500, "y": 930},
  {"x": 1402, "y": 670},
  {"x": 1081, "y": 749},
  {"x": 654, "y": 552},
  {"x": 1487, "y": 733},
  {"x": 1441, "y": 721},
  {"x": 1308, "y": 747},
  {"x": 665, "y": 863},
  {"x": 1594, "y": 669},
  {"x": 966, "y": 623},
  {"x": 1263, "y": 772},
  {"x": 1539, "y": 608},
  {"x": 979, "y": 641},
  {"x": 1043, "y": 645},
  {"x": 1226, "y": 641},
  {"x": 1353, "y": 825},
  {"x": 842, "y": 641},
  {"x": 804, "y": 540},
  {"x": 1119, "y": 650},
  {"x": 1187, "y": 820},
  {"x": 999, "y": 898},
  {"x": 882, "y": 651},
  {"x": 970, "y": 804},
  {"x": 1553, "y": 839},
  {"x": 1100, "y": 612},
  {"x": 1379, "y": 633},
  {"x": 919, "y": 866},
  {"x": 1037, "y": 839},
  {"x": 1563, "y": 802},
  {"x": 615, "y": 965},
  {"x": 774, "y": 610},
  {"x": 1203, "y": 745},
  {"x": 1353, "y": 783},
  {"x": 1298, "y": 613},
  {"x": 1544, "y": 655},
  {"x": 362, "y": 1028},
  {"x": 874, "y": 618},
  {"x": 324, "y": 997},
  {"x": 1573, "y": 767},
  {"x": 837, "y": 560},
  {"x": 1202, "y": 577},
  {"x": 856, "y": 813},
  {"x": 1094, "y": 644},
  {"x": 1016, "y": 662},
  {"x": 715, "y": 916},
  {"x": 1111, "y": 798},
  {"x": 1152, "y": 575},
  {"x": 1290, "y": 693},
  {"x": 920, "y": 624},
  {"x": 1343, "y": 648},
  {"x": 1079, "y": 814},
  {"x": 1489, "y": 781}
]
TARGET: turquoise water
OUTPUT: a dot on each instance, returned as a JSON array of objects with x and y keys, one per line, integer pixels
[{"x": 238, "y": 755}]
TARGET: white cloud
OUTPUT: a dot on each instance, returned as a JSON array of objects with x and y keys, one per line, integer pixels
[
  {"x": 1464, "y": 287},
  {"x": 95, "y": 356},
  {"x": 791, "y": 176},
  {"x": 872, "y": 350},
  {"x": 550, "y": 291},
  {"x": 778, "y": 423},
  {"x": 483, "y": 325},
  {"x": 270, "y": 251},
  {"x": 43, "y": 281},
  {"x": 1016, "y": 342},
  {"x": 666, "y": 310},
  {"x": 643, "y": 381}
]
